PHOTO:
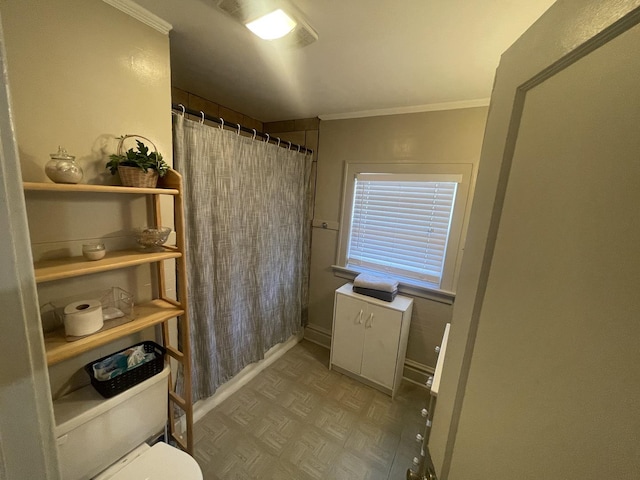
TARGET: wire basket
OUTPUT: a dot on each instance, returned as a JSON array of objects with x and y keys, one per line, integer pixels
[
  {"x": 134, "y": 176},
  {"x": 130, "y": 378}
]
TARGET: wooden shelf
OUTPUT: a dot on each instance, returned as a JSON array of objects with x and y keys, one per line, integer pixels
[
  {"x": 48, "y": 270},
  {"x": 82, "y": 187},
  {"x": 155, "y": 312},
  {"x": 146, "y": 315}
]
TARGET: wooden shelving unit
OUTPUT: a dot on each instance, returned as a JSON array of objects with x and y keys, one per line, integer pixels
[
  {"x": 58, "y": 269},
  {"x": 156, "y": 312},
  {"x": 64, "y": 187},
  {"x": 146, "y": 315}
]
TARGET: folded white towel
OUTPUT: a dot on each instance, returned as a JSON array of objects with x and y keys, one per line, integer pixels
[{"x": 375, "y": 282}]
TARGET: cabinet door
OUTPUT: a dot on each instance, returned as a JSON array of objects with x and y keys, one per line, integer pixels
[
  {"x": 380, "y": 351},
  {"x": 348, "y": 333}
]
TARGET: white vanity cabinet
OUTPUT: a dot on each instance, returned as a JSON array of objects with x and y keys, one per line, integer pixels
[{"x": 369, "y": 338}]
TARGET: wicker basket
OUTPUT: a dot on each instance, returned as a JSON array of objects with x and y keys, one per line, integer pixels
[
  {"x": 130, "y": 378},
  {"x": 134, "y": 176}
]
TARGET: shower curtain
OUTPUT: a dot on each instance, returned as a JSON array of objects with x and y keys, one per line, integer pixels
[{"x": 247, "y": 214}]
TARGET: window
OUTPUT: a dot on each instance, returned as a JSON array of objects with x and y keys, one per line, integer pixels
[
  {"x": 405, "y": 221},
  {"x": 400, "y": 224}
]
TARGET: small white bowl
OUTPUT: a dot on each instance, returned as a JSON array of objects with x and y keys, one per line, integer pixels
[{"x": 93, "y": 251}]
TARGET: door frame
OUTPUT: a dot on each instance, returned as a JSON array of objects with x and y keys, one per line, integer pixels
[{"x": 567, "y": 32}]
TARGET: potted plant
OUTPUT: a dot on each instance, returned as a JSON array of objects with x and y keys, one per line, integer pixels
[{"x": 138, "y": 168}]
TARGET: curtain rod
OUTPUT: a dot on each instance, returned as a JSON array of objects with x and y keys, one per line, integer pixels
[{"x": 285, "y": 144}]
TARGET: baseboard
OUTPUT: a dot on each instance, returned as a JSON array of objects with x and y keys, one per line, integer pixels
[
  {"x": 204, "y": 406},
  {"x": 416, "y": 372},
  {"x": 318, "y": 335}
]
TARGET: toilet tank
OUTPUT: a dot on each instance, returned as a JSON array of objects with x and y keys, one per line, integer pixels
[{"x": 93, "y": 432}]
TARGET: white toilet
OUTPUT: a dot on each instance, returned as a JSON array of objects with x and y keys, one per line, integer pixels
[{"x": 105, "y": 438}]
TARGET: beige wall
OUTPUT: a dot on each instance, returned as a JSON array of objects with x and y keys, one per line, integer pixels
[
  {"x": 453, "y": 136},
  {"x": 82, "y": 73}
]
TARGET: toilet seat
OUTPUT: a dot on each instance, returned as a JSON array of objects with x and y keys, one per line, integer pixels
[{"x": 160, "y": 462}]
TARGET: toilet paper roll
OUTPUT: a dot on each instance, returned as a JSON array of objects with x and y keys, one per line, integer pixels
[{"x": 83, "y": 317}]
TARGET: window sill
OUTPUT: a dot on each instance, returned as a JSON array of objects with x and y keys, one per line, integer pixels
[{"x": 434, "y": 294}]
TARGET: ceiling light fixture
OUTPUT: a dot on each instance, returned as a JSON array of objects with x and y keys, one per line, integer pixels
[
  {"x": 273, "y": 25},
  {"x": 296, "y": 33}
]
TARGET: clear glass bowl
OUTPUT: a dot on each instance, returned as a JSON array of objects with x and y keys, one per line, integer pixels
[{"x": 151, "y": 238}]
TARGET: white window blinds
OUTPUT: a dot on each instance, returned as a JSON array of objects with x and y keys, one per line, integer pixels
[{"x": 400, "y": 224}]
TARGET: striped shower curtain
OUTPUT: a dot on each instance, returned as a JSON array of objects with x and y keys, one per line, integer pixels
[{"x": 247, "y": 213}]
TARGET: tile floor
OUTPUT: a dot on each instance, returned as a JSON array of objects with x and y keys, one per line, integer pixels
[{"x": 298, "y": 420}]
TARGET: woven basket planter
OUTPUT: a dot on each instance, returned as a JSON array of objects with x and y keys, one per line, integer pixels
[{"x": 135, "y": 177}]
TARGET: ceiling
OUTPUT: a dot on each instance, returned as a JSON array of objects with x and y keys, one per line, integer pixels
[{"x": 372, "y": 56}]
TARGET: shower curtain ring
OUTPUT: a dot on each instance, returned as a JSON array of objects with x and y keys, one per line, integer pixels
[
  {"x": 254, "y": 134},
  {"x": 289, "y": 146},
  {"x": 183, "y": 109},
  {"x": 298, "y": 148},
  {"x": 238, "y": 129},
  {"x": 267, "y": 140},
  {"x": 202, "y": 114},
  {"x": 221, "y": 123},
  {"x": 278, "y": 140}
]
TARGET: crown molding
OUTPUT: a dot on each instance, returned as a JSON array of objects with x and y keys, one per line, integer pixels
[
  {"x": 432, "y": 107},
  {"x": 142, "y": 14}
]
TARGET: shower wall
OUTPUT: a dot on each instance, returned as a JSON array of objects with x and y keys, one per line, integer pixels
[{"x": 195, "y": 102}]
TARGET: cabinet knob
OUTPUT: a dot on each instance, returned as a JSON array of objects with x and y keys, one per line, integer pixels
[
  {"x": 437, "y": 349},
  {"x": 424, "y": 412},
  {"x": 419, "y": 437},
  {"x": 429, "y": 383}
]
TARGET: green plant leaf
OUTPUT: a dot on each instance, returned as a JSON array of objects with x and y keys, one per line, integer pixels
[{"x": 141, "y": 159}]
